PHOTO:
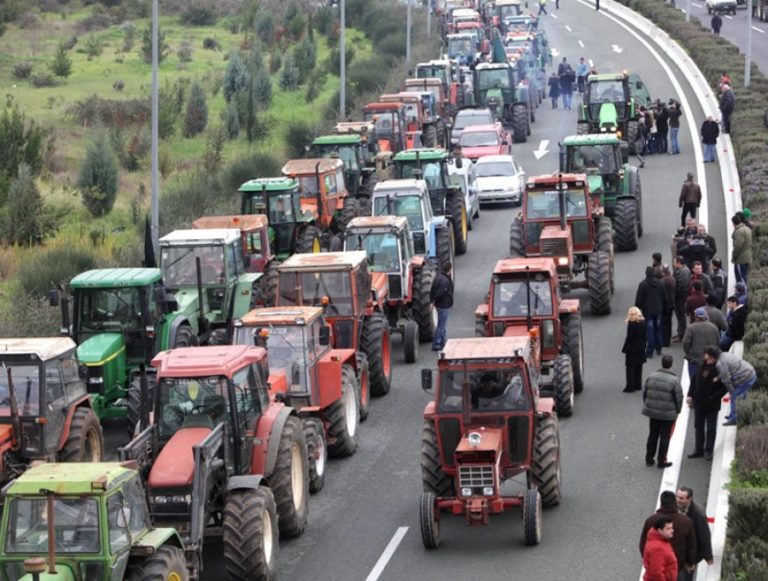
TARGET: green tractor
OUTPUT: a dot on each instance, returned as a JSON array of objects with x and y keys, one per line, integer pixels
[
  {"x": 611, "y": 104},
  {"x": 84, "y": 522},
  {"x": 602, "y": 157},
  {"x": 445, "y": 195},
  {"x": 498, "y": 88}
]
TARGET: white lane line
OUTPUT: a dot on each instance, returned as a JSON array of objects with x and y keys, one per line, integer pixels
[
  {"x": 554, "y": 16},
  {"x": 581, "y": 44},
  {"x": 729, "y": 17},
  {"x": 697, "y": 5},
  {"x": 568, "y": 28},
  {"x": 760, "y": 30},
  {"x": 378, "y": 569}
]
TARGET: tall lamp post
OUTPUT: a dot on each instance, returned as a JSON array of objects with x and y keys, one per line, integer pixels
[
  {"x": 342, "y": 60},
  {"x": 155, "y": 203},
  {"x": 408, "y": 34},
  {"x": 748, "y": 51}
]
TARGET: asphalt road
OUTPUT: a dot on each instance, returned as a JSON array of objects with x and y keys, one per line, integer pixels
[{"x": 370, "y": 501}]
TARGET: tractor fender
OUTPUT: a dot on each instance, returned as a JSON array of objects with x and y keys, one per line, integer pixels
[
  {"x": 545, "y": 406},
  {"x": 329, "y": 371},
  {"x": 245, "y": 482},
  {"x": 157, "y": 538},
  {"x": 83, "y": 402},
  {"x": 418, "y": 262},
  {"x": 429, "y": 410},
  {"x": 481, "y": 311},
  {"x": 273, "y": 444},
  {"x": 173, "y": 328},
  {"x": 568, "y": 306}
]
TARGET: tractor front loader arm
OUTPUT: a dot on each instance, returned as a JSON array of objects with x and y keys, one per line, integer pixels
[{"x": 141, "y": 448}]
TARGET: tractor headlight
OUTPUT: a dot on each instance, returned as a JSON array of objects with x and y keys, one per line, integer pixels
[
  {"x": 562, "y": 261},
  {"x": 466, "y": 492},
  {"x": 96, "y": 380},
  {"x": 474, "y": 439},
  {"x": 172, "y": 499},
  {"x": 488, "y": 491}
]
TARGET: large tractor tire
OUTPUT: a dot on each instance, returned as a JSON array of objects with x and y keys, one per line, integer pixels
[
  {"x": 251, "y": 535},
  {"x": 605, "y": 236},
  {"x": 86, "y": 441},
  {"x": 632, "y": 130},
  {"x": 636, "y": 191},
  {"x": 424, "y": 313},
  {"x": 429, "y": 137},
  {"x": 411, "y": 341},
  {"x": 133, "y": 403},
  {"x": 456, "y": 210},
  {"x": 376, "y": 345},
  {"x": 573, "y": 345},
  {"x": 480, "y": 327},
  {"x": 266, "y": 287},
  {"x": 516, "y": 242},
  {"x": 343, "y": 417},
  {"x": 366, "y": 191},
  {"x": 519, "y": 123},
  {"x": 432, "y": 476},
  {"x": 532, "y": 517},
  {"x": 290, "y": 481},
  {"x": 317, "y": 453},
  {"x": 363, "y": 385},
  {"x": 582, "y": 128},
  {"x": 599, "y": 283},
  {"x": 185, "y": 337},
  {"x": 562, "y": 386},
  {"x": 350, "y": 210},
  {"x": 625, "y": 224},
  {"x": 309, "y": 241},
  {"x": 545, "y": 465},
  {"x": 429, "y": 520},
  {"x": 167, "y": 562},
  {"x": 444, "y": 247}
]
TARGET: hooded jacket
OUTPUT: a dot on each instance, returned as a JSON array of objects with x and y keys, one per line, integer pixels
[
  {"x": 658, "y": 558},
  {"x": 742, "y": 245},
  {"x": 733, "y": 370},
  {"x": 650, "y": 296},
  {"x": 662, "y": 395}
]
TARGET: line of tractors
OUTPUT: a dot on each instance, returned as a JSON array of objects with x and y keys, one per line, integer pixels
[{"x": 249, "y": 357}]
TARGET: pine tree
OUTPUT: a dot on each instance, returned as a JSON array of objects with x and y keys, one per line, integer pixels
[
  {"x": 233, "y": 120},
  {"x": 62, "y": 64},
  {"x": 98, "y": 177},
  {"x": 236, "y": 78},
  {"x": 196, "y": 116},
  {"x": 262, "y": 88},
  {"x": 289, "y": 74},
  {"x": 24, "y": 209},
  {"x": 146, "y": 45}
]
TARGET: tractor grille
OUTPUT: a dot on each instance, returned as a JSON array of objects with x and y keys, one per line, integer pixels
[
  {"x": 554, "y": 246},
  {"x": 475, "y": 476},
  {"x": 95, "y": 382},
  {"x": 395, "y": 287}
]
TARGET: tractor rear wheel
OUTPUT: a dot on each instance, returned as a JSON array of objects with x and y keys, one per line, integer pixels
[
  {"x": 545, "y": 466},
  {"x": 308, "y": 241},
  {"x": 433, "y": 478},
  {"x": 364, "y": 385},
  {"x": 444, "y": 246},
  {"x": 519, "y": 123},
  {"x": 573, "y": 345},
  {"x": 480, "y": 327},
  {"x": 250, "y": 534},
  {"x": 167, "y": 562},
  {"x": 375, "y": 343},
  {"x": 86, "y": 441},
  {"x": 289, "y": 481},
  {"x": 411, "y": 341},
  {"x": 350, "y": 210},
  {"x": 625, "y": 224},
  {"x": 456, "y": 210},
  {"x": 636, "y": 191},
  {"x": 582, "y": 128},
  {"x": 605, "y": 236},
  {"x": 366, "y": 190},
  {"x": 516, "y": 242},
  {"x": 632, "y": 130},
  {"x": 424, "y": 313},
  {"x": 562, "y": 386},
  {"x": 317, "y": 453},
  {"x": 185, "y": 337},
  {"x": 430, "y": 523},
  {"x": 133, "y": 402},
  {"x": 343, "y": 416},
  {"x": 532, "y": 517},
  {"x": 599, "y": 281},
  {"x": 429, "y": 137},
  {"x": 268, "y": 284}
]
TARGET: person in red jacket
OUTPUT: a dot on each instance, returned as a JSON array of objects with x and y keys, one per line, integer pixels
[{"x": 658, "y": 557}]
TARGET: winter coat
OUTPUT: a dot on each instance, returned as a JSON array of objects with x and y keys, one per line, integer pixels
[
  {"x": 690, "y": 194},
  {"x": 698, "y": 337},
  {"x": 717, "y": 318},
  {"x": 650, "y": 297},
  {"x": 554, "y": 87},
  {"x": 693, "y": 302},
  {"x": 706, "y": 283},
  {"x": 682, "y": 282},
  {"x": 662, "y": 395},
  {"x": 441, "y": 293},
  {"x": 727, "y": 102},
  {"x": 658, "y": 558},
  {"x": 669, "y": 285},
  {"x": 703, "y": 535},
  {"x": 566, "y": 81},
  {"x": 742, "y": 245},
  {"x": 674, "y": 114},
  {"x": 737, "y": 320},
  {"x": 733, "y": 370},
  {"x": 634, "y": 343},
  {"x": 710, "y": 131},
  {"x": 718, "y": 286},
  {"x": 684, "y": 541},
  {"x": 662, "y": 120},
  {"x": 698, "y": 251},
  {"x": 707, "y": 391}
]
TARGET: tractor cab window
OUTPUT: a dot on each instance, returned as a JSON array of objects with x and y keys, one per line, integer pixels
[
  {"x": 406, "y": 206},
  {"x": 511, "y": 298},
  {"x": 280, "y": 209},
  {"x": 179, "y": 265},
  {"x": 76, "y": 525},
  {"x": 255, "y": 204},
  {"x": 314, "y": 287},
  {"x": 246, "y": 399},
  {"x": 348, "y": 155},
  {"x": 546, "y": 204},
  {"x": 498, "y": 390},
  {"x": 55, "y": 404},
  {"x": 330, "y": 186},
  {"x": 192, "y": 402},
  {"x": 509, "y": 10},
  {"x": 118, "y": 516},
  {"x": 109, "y": 309},
  {"x": 288, "y": 350},
  {"x": 308, "y": 186},
  {"x": 135, "y": 503},
  {"x": 459, "y": 47},
  {"x": 26, "y": 383},
  {"x": 493, "y": 79},
  {"x": 608, "y": 91},
  {"x": 234, "y": 263},
  {"x": 382, "y": 250},
  {"x": 594, "y": 159},
  {"x": 363, "y": 285},
  {"x": 253, "y": 243}
]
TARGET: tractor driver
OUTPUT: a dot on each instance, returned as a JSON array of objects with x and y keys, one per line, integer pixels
[{"x": 486, "y": 392}]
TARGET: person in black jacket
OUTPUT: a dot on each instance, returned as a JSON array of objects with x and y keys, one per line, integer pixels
[
  {"x": 650, "y": 300},
  {"x": 634, "y": 350},
  {"x": 704, "y": 396},
  {"x": 698, "y": 515},
  {"x": 710, "y": 131},
  {"x": 441, "y": 296},
  {"x": 737, "y": 320}
]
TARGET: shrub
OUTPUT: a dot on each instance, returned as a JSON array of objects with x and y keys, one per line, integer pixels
[
  {"x": 265, "y": 27},
  {"x": 98, "y": 177},
  {"x": 752, "y": 454},
  {"x": 171, "y": 101},
  {"x": 748, "y": 514},
  {"x": 42, "y": 271},
  {"x": 211, "y": 43},
  {"x": 93, "y": 47},
  {"x": 22, "y": 70},
  {"x": 289, "y": 75},
  {"x": 753, "y": 410},
  {"x": 746, "y": 560},
  {"x": 27, "y": 315},
  {"x": 214, "y": 145},
  {"x": 44, "y": 80},
  {"x": 325, "y": 21},
  {"x": 196, "y": 116},
  {"x": 185, "y": 52},
  {"x": 294, "y": 21},
  {"x": 247, "y": 168},
  {"x": 305, "y": 56},
  {"x": 197, "y": 194},
  {"x": 96, "y": 110},
  {"x": 129, "y": 37},
  {"x": 62, "y": 64},
  {"x": 23, "y": 211},
  {"x": 275, "y": 62},
  {"x": 236, "y": 76},
  {"x": 392, "y": 45},
  {"x": 21, "y": 142},
  {"x": 297, "y": 135},
  {"x": 315, "y": 85},
  {"x": 97, "y": 20},
  {"x": 199, "y": 13},
  {"x": 146, "y": 45},
  {"x": 232, "y": 120},
  {"x": 262, "y": 90}
]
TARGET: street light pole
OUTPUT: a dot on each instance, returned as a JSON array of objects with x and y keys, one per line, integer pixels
[
  {"x": 342, "y": 60},
  {"x": 429, "y": 18},
  {"x": 748, "y": 51},
  {"x": 408, "y": 34},
  {"x": 155, "y": 203},
  {"x": 688, "y": 10}
]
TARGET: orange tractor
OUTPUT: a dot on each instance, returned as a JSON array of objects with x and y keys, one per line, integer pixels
[
  {"x": 487, "y": 425},
  {"x": 389, "y": 126},
  {"x": 353, "y": 303},
  {"x": 423, "y": 126},
  {"x": 525, "y": 295},
  {"x": 222, "y": 459},
  {"x": 327, "y": 387}
]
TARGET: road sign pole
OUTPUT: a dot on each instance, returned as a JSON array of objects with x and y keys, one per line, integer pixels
[
  {"x": 748, "y": 51},
  {"x": 155, "y": 203},
  {"x": 342, "y": 60}
]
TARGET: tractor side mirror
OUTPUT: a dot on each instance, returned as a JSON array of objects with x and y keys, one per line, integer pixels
[
  {"x": 426, "y": 379},
  {"x": 82, "y": 371},
  {"x": 171, "y": 303},
  {"x": 324, "y": 336},
  {"x": 53, "y": 297}
]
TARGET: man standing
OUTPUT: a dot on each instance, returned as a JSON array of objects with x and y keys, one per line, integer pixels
[
  {"x": 441, "y": 295},
  {"x": 737, "y": 376},
  {"x": 662, "y": 126},
  {"x": 690, "y": 197},
  {"x": 698, "y": 516},
  {"x": 658, "y": 557},
  {"x": 696, "y": 299},
  {"x": 736, "y": 323},
  {"x": 650, "y": 300},
  {"x": 674, "y": 114},
  {"x": 727, "y": 105},
  {"x": 668, "y": 284},
  {"x": 698, "y": 336},
  {"x": 717, "y": 23},
  {"x": 566, "y": 85},
  {"x": 582, "y": 70},
  {"x": 682, "y": 276},
  {"x": 684, "y": 537},
  {"x": 741, "y": 253},
  {"x": 662, "y": 402},
  {"x": 704, "y": 396},
  {"x": 710, "y": 131}
]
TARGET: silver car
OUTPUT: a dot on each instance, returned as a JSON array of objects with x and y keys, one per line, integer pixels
[{"x": 498, "y": 178}]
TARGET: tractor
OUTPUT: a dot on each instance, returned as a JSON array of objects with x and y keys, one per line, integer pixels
[
  {"x": 497, "y": 87},
  {"x": 445, "y": 193},
  {"x": 222, "y": 459},
  {"x": 389, "y": 126},
  {"x": 85, "y": 522},
  {"x": 561, "y": 220},
  {"x": 45, "y": 412},
  {"x": 602, "y": 156},
  {"x": 450, "y": 76},
  {"x": 611, "y": 104},
  {"x": 524, "y": 44},
  {"x": 353, "y": 302},
  {"x": 525, "y": 295},
  {"x": 423, "y": 126},
  {"x": 327, "y": 387},
  {"x": 464, "y": 48},
  {"x": 432, "y": 235},
  {"x": 291, "y": 231},
  {"x": 487, "y": 425},
  {"x": 497, "y": 11},
  {"x": 122, "y": 317},
  {"x": 388, "y": 243}
]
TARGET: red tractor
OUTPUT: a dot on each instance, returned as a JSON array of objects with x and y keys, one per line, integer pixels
[
  {"x": 525, "y": 295},
  {"x": 487, "y": 425},
  {"x": 222, "y": 459},
  {"x": 353, "y": 303},
  {"x": 389, "y": 126},
  {"x": 560, "y": 219},
  {"x": 324, "y": 385}
]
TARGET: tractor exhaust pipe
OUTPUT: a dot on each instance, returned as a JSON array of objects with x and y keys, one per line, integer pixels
[
  {"x": 528, "y": 321},
  {"x": 143, "y": 399},
  {"x": 51, "y": 532},
  {"x": 319, "y": 194},
  {"x": 202, "y": 323}
]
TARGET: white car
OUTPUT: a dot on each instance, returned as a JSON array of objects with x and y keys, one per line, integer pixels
[
  {"x": 498, "y": 178},
  {"x": 464, "y": 177},
  {"x": 721, "y": 6}
]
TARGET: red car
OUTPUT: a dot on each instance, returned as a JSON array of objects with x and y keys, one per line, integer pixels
[{"x": 478, "y": 141}]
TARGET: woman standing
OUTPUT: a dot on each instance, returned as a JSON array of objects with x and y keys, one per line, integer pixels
[{"x": 634, "y": 350}]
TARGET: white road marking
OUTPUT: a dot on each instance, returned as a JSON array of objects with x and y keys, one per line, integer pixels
[
  {"x": 617, "y": 48},
  {"x": 554, "y": 16},
  {"x": 581, "y": 44},
  {"x": 729, "y": 17},
  {"x": 760, "y": 30},
  {"x": 378, "y": 568},
  {"x": 542, "y": 151},
  {"x": 568, "y": 28},
  {"x": 697, "y": 5},
  {"x": 591, "y": 63}
]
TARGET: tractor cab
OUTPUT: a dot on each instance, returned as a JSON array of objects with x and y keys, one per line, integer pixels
[
  {"x": 322, "y": 189},
  {"x": 499, "y": 10},
  {"x": 409, "y": 199},
  {"x": 430, "y": 165},
  {"x": 607, "y": 102},
  {"x": 254, "y": 233},
  {"x": 389, "y": 125},
  {"x": 419, "y": 115},
  {"x": 431, "y": 93},
  {"x": 601, "y": 157},
  {"x": 463, "y": 48},
  {"x": 352, "y": 148},
  {"x": 494, "y": 85}
]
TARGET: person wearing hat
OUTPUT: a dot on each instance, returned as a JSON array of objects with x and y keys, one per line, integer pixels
[
  {"x": 727, "y": 105},
  {"x": 690, "y": 198},
  {"x": 698, "y": 336}
]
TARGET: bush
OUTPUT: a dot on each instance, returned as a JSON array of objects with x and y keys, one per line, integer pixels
[
  {"x": 232, "y": 121},
  {"x": 247, "y": 168},
  {"x": 748, "y": 514},
  {"x": 196, "y": 116},
  {"x": 297, "y": 135},
  {"x": 746, "y": 560},
  {"x": 753, "y": 410},
  {"x": 24, "y": 210},
  {"x": 195, "y": 195},
  {"x": 21, "y": 142},
  {"x": 752, "y": 455},
  {"x": 22, "y": 70},
  {"x": 146, "y": 44},
  {"x": 93, "y": 47},
  {"x": 62, "y": 64},
  {"x": 27, "y": 315},
  {"x": 236, "y": 76},
  {"x": 289, "y": 75},
  {"x": 211, "y": 43},
  {"x": 199, "y": 13},
  {"x": 294, "y": 22},
  {"x": 264, "y": 25},
  {"x": 98, "y": 177},
  {"x": 42, "y": 271},
  {"x": 96, "y": 110},
  {"x": 44, "y": 80},
  {"x": 275, "y": 62},
  {"x": 129, "y": 37},
  {"x": 262, "y": 90},
  {"x": 305, "y": 56}
]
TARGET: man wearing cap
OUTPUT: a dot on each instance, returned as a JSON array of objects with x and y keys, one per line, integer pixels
[
  {"x": 698, "y": 336},
  {"x": 737, "y": 376},
  {"x": 727, "y": 105},
  {"x": 690, "y": 198}
]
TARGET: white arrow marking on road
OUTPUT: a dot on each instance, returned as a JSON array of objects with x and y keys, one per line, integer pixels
[
  {"x": 542, "y": 151},
  {"x": 591, "y": 64},
  {"x": 617, "y": 48},
  {"x": 555, "y": 52},
  {"x": 760, "y": 30},
  {"x": 378, "y": 568},
  {"x": 568, "y": 28},
  {"x": 581, "y": 44}
]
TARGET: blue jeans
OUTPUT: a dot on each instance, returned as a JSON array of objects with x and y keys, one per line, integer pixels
[
  {"x": 709, "y": 152},
  {"x": 441, "y": 333},
  {"x": 740, "y": 392},
  {"x": 741, "y": 271},
  {"x": 693, "y": 370},
  {"x": 653, "y": 335},
  {"x": 726, "y": 341},
  {"x": 567, "y": 100},
  {"x": 673, "y": 138}
]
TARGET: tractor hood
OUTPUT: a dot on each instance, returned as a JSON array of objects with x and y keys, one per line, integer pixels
[
  {"x": 97, "y": 350},
  {"x": 63, "y": 573},
  {"x": 187, "y": 300},
  {"x": 608, "y": 117},
  {"x": 175, "y": 464},
  {"x": 490, "y": 440}
]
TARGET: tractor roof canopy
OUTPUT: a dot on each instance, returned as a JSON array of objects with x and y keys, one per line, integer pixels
[
  {"x": 280, "y": 184},
  {"x": 298, "y": 315},
  {"x": 71, "y": 478},
  {"x": 211, "y": 237},
  {"x": 596, "y": 78},
  {"x": 592, "y": 139},
  {"x": 550, "y": 180},
  {"x": 332, "y": 261},
  {"x": 522, "y": 265},
  {"x": 422, "y": 154},
  {"x": 44, "y": 348},
  {"x": 223, "y": 360},
  {"x": 116, "y": 277},
  {"x": 485, "y": 349},
  {"x": 342, "y": 139},
  {"x": 247, "y": 222},
  {"x": 297, "y": 167},
  {"x": 405, "y": 186},
  {"x": 378, "y": 222}
]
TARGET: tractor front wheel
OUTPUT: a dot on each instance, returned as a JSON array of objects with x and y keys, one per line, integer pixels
[
  {"x": 519, "y": 123},
  {"x": 444, "y": 247},
  {"x": 636, "y": 191},
  {"x": 317, "y": 453},
  {"x": 350, "y": 210},
  {"x": 599, "y": 282},
  {"x": 545, "y": 466},
  {"x": 632, "y": 129},
  {"x": 86, "y": 441},
  {"x": 268, "y": 284},
  {"x": 563, "y": 386},
  {"x": 250, "y": 534},
  {"x": 343, "y": 416},
  {"x": 308, "y": 241},
  {"x": 433, "y": 478},
  {"x": 185, "y": 337},
  {"x": 289, "y": 481},
  {"x": 456, "y": 210},
  {"x": 167, "y": 562},
  {"x": 573, "y": 345},
  {"x": 429, "y": 137},
  {"x": 376, "y": 345},
  {"x": 430, "y": 522},
  {"x": 480, "y": 327},
  {"x": 605, "y": 236},
  {"x": 582, "y": 128},
  {"x": 516, "y": 242},
  {"x": 424, "y": 313},
  {"x": 532, "y": 517},
  {"x": 411, "y": 341},
  {"x": 133, "y": 399},
  {"x": 625, "y": 224}
]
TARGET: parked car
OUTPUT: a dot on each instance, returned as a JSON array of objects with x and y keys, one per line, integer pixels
[
  {"x": 468, "y": 117},
  {"x": 479, "y": 141},
  {"x": 721, "y": 6},
  {"x": 498, "y": 178}
]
